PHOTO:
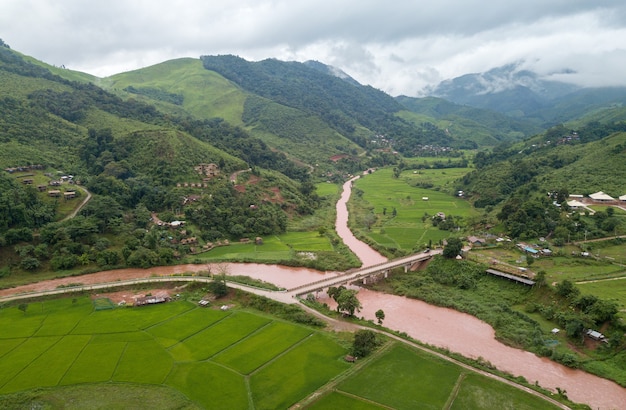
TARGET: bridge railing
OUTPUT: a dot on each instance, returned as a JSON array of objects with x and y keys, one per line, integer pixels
[{"x": 357, "y": 275}]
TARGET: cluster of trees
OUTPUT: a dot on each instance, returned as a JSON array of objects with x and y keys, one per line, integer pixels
[
  {"x": 239, "y": 143},
  {"x": 222, "y": 212},
  {"x": 21, "y": 207},
  {"x": 347, "y": 301},
  {"x": 575, "y": 313},
  {"x": 535, "y": 216}
]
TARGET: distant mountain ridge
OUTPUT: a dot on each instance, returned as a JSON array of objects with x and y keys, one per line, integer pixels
[{"x": 522, "y": 93}]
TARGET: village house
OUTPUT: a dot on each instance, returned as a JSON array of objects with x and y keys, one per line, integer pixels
[
  {"x": 54, "y": 193},
  {"x": 601, "y": 197},
  {"x": 69, "y": 195},
  {"x": 209, "y": 170},
  {"x": 151, "y": 300},
  {"x": 189, "y": 241},
  {"x": 476, "y": 241}
]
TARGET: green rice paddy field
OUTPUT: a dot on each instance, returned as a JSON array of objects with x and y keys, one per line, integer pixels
[
  {"x": 407, "y": 230},
  {"x": 66, "y": 354}
]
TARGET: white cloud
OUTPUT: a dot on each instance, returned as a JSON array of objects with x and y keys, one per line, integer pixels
[{"x": 400, "y": 47}]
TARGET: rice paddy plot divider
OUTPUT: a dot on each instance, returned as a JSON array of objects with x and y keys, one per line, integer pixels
[
  {"x": 281, "y": 354},
  {"x": 24, "y": 339},
  {"x": 75, "y": 358},
  {"x": 119, "y": 360},
  {"x": 168, "y": 319},
  {"x": 364, "y": 399},
  {"x": 455, "y": 391},
  {"x": 243, "y": 339},
  {"x": 356, "y": 367},
  {"x": 26, "y": 365},
  {"x": 199, "y": 331}
]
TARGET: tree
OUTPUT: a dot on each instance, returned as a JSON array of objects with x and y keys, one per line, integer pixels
[
  {"x": 334, "y": 292},
  {"x": 218, "y": 288},
  {"x": 453, "y": 248},
  {"x": 567, "y": 289},
  {"x": 604, "y": 310},
  {"x": 380, "y": 315},
  {"x": 348, "y": 302},
  {"x": 23, "y": 307},
  {"x": 29, "y": 263},
  {"x": 364, "y": 343},
  {"x": 540, "y": 278}
]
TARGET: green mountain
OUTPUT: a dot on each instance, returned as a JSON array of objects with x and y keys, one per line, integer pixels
[
  {"x": 309, "y": 111},
  {"x": 361, "y": 114},
  {"x": 134, "y": 157},
  {"x": 185, "y": 87}
]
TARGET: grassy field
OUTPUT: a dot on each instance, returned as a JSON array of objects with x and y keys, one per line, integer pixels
[
  {"x": 274, "y": 248},
  {"x": 205, "y": 358},
  {"x": 408, "y": 229},
  {"x": 610, "y": 289},
  {"x": 326, "y": 189}
]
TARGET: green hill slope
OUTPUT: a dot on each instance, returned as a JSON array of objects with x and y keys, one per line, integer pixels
[
  {"x": 185, "y": 87},
  {"x": 135, "y": 160},
  {"x": 199, "y": 92}
]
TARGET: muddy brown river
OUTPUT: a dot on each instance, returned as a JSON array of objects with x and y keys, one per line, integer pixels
[{"x": 436, "y": 326}]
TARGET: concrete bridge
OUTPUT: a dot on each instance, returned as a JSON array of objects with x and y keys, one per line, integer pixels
[
  {"x": 364, "y": 274},
  {"x": 284, "y": 296}
]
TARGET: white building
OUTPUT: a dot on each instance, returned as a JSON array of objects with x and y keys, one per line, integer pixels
[{"x": 601, "y": 196}]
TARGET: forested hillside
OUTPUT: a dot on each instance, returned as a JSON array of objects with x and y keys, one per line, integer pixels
[
  {"x": 524, "y": 181},
  {"x": 63, "y": 141}
]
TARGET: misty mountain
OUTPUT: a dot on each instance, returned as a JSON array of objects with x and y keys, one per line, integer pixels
[
  {"x": 507, "y": 89},
  {"x": 524, "y": 94}
]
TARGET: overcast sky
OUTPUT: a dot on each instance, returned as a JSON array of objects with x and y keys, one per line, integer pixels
[{"x": 397, "y": 46}]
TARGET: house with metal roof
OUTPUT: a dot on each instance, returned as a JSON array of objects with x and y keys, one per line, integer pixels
[{"x": 601, "y": 197}]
